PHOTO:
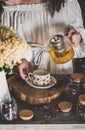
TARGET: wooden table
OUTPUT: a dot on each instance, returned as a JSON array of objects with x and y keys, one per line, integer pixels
[{"x": 42, "y": 116}]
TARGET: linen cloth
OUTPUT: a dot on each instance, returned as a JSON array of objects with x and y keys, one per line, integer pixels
[
  {"x": 4, "y": 90},
  {"x": 34, "y": 23}
]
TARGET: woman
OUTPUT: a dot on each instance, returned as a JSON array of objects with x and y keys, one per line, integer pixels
[{"x": 37, "y": 21}]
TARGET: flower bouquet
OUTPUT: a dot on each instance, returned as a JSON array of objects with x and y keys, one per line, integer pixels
[{"x": 12, "y": 49}]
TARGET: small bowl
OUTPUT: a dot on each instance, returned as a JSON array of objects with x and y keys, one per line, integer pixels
[{"x": 65, "y": 106}]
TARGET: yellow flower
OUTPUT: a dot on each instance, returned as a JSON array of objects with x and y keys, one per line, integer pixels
[{"x": 12, "y": 48}]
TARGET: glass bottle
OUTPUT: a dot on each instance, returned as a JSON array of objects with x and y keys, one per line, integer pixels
[{"x": 9, "y": 110}]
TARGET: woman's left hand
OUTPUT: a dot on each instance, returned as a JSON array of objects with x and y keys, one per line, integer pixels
[{"x": 75, "y": 37}]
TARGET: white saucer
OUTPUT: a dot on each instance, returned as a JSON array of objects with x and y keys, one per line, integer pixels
[{"x": 52, "y": 83}]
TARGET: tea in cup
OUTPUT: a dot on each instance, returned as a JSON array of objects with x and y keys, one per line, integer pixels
[{"x": 40, "y": 77}]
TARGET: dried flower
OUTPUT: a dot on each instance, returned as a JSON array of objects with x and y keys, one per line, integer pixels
[{"x": 12, "y": 48}]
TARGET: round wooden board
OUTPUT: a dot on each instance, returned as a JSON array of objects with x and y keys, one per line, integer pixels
[{"x": 33, "y": 95}]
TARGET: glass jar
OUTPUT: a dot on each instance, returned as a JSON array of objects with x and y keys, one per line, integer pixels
[
  {"x": 9, "y": 110},
  {"x": 73, "y": 90},
  {"x": 80, "y": 108}
]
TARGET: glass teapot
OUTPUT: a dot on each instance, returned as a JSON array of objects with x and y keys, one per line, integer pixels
[{"x": 60, "y": 49}]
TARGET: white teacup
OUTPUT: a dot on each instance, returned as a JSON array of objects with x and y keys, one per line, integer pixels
[{"x": 40, "y": 77}]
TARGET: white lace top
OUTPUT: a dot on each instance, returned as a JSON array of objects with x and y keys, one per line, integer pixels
[{"x": 34, "y": 23}]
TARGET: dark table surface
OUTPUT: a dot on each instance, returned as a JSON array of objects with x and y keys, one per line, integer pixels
[{"x": 42, "y": 116}]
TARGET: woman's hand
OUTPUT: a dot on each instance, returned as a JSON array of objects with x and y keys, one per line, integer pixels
[
  {"x": 74, "y": 36},
  {"x": 23, "y": 69}
]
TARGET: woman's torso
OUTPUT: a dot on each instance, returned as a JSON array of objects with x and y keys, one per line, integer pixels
[
  {"x": 33, "y": 22},
  {"x": 36, "y": 21}
]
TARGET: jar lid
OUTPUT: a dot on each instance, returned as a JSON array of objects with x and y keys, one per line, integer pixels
[
  {"x": 65, "y": 106},
  {"x": 26, "y": 114},
  {"x": 82, "y": 99},
  {"x": 77, "y": 77}
]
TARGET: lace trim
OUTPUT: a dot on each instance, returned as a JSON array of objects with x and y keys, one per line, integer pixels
[{"x": 40, "y": 6}]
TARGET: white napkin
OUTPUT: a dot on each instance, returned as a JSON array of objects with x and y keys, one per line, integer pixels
[{"x": 4, "y": 90}]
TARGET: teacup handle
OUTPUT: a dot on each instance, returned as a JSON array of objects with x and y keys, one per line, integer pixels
[{"x": 30, "y": 76}]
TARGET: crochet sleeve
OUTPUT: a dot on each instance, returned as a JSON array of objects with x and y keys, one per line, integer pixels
[
  {"x": 76, "y": 21},
  {"x": 75, "y": 14}
]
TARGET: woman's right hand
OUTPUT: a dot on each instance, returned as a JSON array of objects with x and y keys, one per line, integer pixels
[{"x": 23, "y": 69}]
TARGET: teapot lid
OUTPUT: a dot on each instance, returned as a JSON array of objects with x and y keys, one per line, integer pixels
[{"x": 57, "y": 39}]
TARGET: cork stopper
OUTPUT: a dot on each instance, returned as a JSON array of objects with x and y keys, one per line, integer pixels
[
  {"x": 77, "y": 77},
  {"x": 26, "y": 114},
  {"x": 82, "y": 99},
  {"x": 65, "y": 106}
]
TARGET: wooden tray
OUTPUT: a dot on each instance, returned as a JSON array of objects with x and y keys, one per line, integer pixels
[{"x": 33, "y": 95}]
